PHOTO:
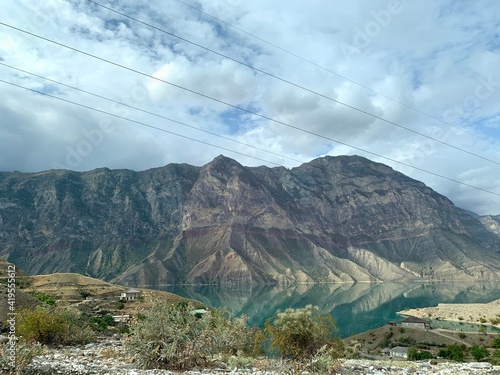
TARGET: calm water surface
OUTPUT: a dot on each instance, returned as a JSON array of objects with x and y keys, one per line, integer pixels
[{"x": 355, "y": 307}]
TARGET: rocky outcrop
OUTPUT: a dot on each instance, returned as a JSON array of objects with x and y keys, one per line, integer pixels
[
  {"x": 492, "y": 223},
  {"x": 335, "y": 219}
]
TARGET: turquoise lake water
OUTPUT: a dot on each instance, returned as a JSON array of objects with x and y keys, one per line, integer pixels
[{"x": 355, "y": 307}]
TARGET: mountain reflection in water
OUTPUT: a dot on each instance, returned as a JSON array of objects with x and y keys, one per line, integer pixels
[{"x": 355, "y": 307}]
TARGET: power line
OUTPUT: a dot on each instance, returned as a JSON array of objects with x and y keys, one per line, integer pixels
[
  {"x": 224, "y": 148},
  {"x": 154, "y": 114},
  {"x": 402, "y": 193},
  {"x": 324, "y": 96},
  {"x": 338, "y": 74},
  {"x": 136, "y": 122},
  {"x": 160, "y": 116},
  {"x": 229, "y": 104}
]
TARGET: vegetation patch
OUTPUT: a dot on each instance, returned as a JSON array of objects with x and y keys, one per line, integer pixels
[{"x": 52, "y": 326}]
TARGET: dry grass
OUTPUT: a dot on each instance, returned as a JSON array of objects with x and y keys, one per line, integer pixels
[
  {"x": 69, "y": 289},
  {"x": 476, "y": 313}
]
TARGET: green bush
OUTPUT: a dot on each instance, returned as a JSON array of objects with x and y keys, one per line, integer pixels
[
  {"x": 172, "y": 337},
  {"x": 407, "y": 340},
  {"x": 52, "y": 326},
  {"x": 101, "y": 322},
  {"x": 301, "y": 333},
  {"x": 45, "y": 298},
  {"x": 418, "y": 355},
  {"x": 384, "y": 343},
  {"x": 496, "y": 342},
  {"x": 84, "y": 293},
  {"x": 453, "y": 352},
  {"x": 479, "y": 352}
]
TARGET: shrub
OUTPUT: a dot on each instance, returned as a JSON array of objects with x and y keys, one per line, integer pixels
[
  {"x": 84, "y": 293},
  {"x": 324, "y": 360},
  {"x": 172, "y": 337},
  {"x": 301, "y": 333},
  {"x": 418, "y": 355},
  {"x": 453, "y": 352},
  {"x": 101, "y": 323},
  {"x": 24, "y": 356},
  {"x": 496, "y": 342},
  {"x": 479, "y": 352},
  {"x": 44, "y": 298},
  {"x": 384, "y": 343},
  {"x": 407, "y": 340},
  {"x": 240, "y": 361},
  {"x": 52, "y": 326}
]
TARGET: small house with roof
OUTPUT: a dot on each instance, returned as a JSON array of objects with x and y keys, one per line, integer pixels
[
  {"x": 399, "y": 352},
  {"x": 414, "y": 322},
  {"x": 130, "y": 294}
]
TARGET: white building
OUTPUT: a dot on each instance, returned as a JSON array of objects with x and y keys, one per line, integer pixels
[
  {"x": 399, "y": 352},
  {"x": 130, "y": 294}
]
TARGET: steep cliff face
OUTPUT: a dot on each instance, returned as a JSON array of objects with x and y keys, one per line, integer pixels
[{"x": 333, "y": 219}]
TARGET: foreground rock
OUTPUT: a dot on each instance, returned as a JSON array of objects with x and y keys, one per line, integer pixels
[
  {"x": 367, "y": 367},
  {"x": 110, "y": 358}
]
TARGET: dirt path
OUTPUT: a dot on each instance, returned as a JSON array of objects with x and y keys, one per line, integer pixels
[{"x": 443, "y": 334}]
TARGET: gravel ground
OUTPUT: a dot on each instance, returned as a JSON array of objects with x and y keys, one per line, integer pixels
[{"x": 109, "y": 358}]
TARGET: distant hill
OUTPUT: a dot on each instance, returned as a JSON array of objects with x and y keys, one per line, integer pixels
[
  {"x": 335, "y": 219},
  {"x": 22, "y": 300},
  {"x": 72, "y": 289}
]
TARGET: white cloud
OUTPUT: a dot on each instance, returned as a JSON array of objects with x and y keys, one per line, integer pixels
[{"x": 438, "y": 56}]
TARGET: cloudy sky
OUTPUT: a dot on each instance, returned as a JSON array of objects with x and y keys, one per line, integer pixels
[{"x": 412, "y": 84}]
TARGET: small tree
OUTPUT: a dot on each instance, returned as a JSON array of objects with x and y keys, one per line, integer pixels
[
  {"x": 300, "y": 333},
  {"x": 479, "y": 352}
]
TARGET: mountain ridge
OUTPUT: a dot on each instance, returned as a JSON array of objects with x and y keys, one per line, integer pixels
[{"x": 334, "y": 219}]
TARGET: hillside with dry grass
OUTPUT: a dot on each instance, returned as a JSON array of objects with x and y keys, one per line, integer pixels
[{"x": 75, "y": 291}]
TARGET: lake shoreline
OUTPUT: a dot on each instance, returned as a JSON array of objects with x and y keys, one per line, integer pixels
[{"x": 487, "y": 314}]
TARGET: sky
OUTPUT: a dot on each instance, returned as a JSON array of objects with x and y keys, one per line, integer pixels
[{"x": 411, "y": 84}]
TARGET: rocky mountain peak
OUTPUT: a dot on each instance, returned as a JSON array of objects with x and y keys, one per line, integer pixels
[{"x": 333, "y": 219}]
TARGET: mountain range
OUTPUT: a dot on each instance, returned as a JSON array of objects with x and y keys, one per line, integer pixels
[{"x": 334, "y": 219}]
